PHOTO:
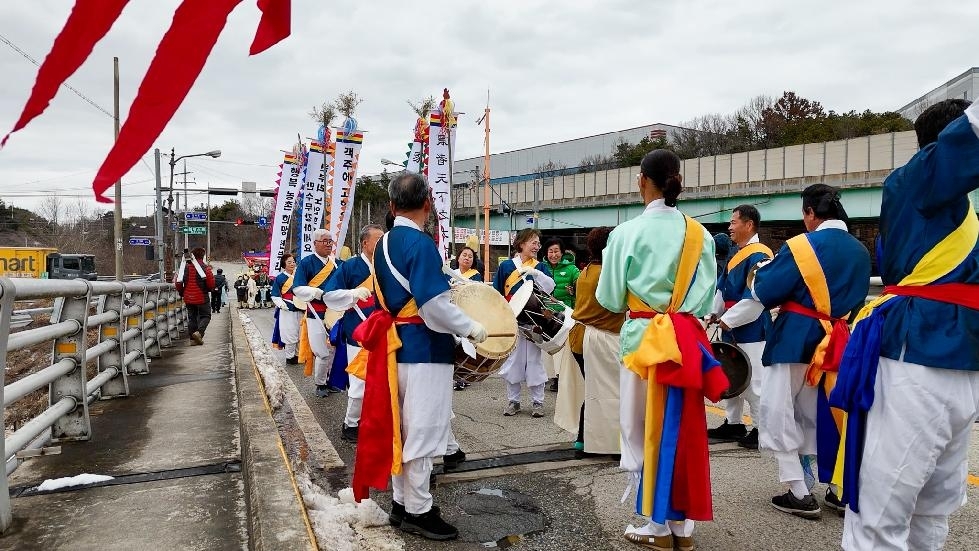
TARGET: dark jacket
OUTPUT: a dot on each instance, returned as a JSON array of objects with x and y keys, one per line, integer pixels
[{"x": 220, "y": 282}]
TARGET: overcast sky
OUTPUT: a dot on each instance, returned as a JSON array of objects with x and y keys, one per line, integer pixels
[{"x": 555, "y": 70}]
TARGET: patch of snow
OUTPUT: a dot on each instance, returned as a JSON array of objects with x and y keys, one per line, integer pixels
[
  {"x": 78, "y": 480},
  {"x": 265, "y": 361},
  {"x": 341, "y": 524}
]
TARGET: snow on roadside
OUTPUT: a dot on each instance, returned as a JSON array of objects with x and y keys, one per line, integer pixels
[
  {"x": 341, "y": 524},
  {"x": 265, "y": 360},
  {"x": 77, "y": 480}
]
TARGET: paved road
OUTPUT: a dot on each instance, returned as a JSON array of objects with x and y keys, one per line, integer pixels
[{"x": 574, "y": 504}]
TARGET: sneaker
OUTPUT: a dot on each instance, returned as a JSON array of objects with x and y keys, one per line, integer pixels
[
  {"x": 293, "y": 360},
  {"x": 429, "y": 525},
  {"x": 727, "y": 432},
  {"x": 806, "y": 507},
  {"x": 750, "y": 440},
  {"x": 459, "y": 385},
  {"x": 322, "y": 391},
  {"x": 552, "y": 385},
  {"x": 833, "y": 503},
  {"x": 538, "y": 410},
  {"x": 197, "y": 337},
  {"x": 349, "y": 433},
  {"x": 684, "y": 544},
  {"x": 511, "y": 409},
  {"x": 452, "y": 460},
  {"x": 334, "y": 389}
]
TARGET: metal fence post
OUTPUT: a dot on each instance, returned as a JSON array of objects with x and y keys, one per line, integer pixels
[
  {"x": 7, "y": 295},
  {"x": 175, "y": 314},
  {"x": 75, "y": 424},
  {"x": 118, "y": 385},
  {"x": 164, "y": 321},
  {"x": 148, "y": 318},
  {"x": 139, "y": 365}
]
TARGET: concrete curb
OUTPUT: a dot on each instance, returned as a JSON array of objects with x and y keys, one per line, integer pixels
[{"x": 275, "y": 512}]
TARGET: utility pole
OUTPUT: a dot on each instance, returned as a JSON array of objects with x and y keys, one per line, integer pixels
[
  {"x": 117, "y": 212},
  {"x": 486, "y": 191},
  {"x": 160, "y": 247},
  {"x": 186, "y": 210}
]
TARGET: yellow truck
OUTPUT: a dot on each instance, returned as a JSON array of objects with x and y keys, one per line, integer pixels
[{"x": 46, "y": 263}]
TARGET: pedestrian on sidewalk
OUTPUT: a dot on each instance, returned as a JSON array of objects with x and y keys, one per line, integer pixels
[
  {"x": 195, "y": 281},
  {"x": 220, "y": 286},
  {"x": 241, "y": 290}
]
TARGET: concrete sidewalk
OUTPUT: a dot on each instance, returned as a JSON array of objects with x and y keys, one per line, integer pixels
[{"x": 175, "y": 448}]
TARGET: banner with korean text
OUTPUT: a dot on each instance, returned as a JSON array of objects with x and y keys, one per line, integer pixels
[
  {"x": 314, "y": 194},
  {"x": 285, "y": 203},
  {"x": 440, "y": 140},
  {"x": 344, "y": 179}
]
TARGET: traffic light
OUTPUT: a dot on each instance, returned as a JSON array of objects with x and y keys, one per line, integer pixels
[
  {"x": 239, "y": 221},
  {"x": 243, "y": 222}
]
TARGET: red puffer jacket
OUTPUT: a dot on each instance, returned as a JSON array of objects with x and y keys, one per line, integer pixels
[{"x": 190, "y": 288}]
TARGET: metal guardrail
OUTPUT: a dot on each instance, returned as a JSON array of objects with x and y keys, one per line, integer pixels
[{"x": 133, "y": 320}]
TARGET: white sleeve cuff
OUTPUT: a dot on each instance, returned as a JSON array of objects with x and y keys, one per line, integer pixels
[{"x": 743, "y": 313}]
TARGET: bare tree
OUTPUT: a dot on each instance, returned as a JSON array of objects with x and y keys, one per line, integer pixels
[
  {"x": 347, "y": 102},
  {"x": 324, "y": 114},
  {"x": 423, "y": 107}
]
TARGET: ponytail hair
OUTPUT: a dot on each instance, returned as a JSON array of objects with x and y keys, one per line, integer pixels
[
  {"x": 824, "y": 201},
  {"x": 663, "y": 168}
]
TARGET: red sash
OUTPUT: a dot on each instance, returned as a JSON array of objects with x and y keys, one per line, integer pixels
[
  {"x": 837, "y": 339},
  {"x": 960, "y": 294}
]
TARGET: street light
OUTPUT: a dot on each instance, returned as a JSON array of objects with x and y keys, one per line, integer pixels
[
  {"x": 173, "y": 162},
  {"x": 401, "y": 166}
]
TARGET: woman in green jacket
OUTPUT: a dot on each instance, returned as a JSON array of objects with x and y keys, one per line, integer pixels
[{"x": 565, "y": 275}]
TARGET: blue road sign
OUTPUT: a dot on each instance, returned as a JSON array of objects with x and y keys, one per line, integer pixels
[
  {"x": 195, "y": 216},
  {"x": 262, "y": 222},
  {"x": 139, "y": 241}
]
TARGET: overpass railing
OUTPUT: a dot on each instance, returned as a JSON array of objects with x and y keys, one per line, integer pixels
[{"x": 132, "y": 320}]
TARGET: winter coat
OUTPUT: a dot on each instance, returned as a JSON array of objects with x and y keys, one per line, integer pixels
[
  {"x": 194, "y": 288},
  {"x": 565, "y": 273}
]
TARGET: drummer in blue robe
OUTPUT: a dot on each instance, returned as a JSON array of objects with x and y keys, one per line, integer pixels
[
  {"x": 351, "y": 291},
  {"x": 744, "y": 322},
  {"x": 910, "y": 377},
  {"x": 408, "y": 395},
  {"x": 312, "y": 276},
  {"x": 288, "y": 318},
  {"x": 525, "y": 363},
  {"x": 817, "y": 280}
]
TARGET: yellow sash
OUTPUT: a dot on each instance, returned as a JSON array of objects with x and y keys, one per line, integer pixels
[
  {"x": 944, "y": 257},
  {"x": 305, "y": 352},
  {"x": 748, "y": 250},
  {"x": 288, "y": 284},
  {"x": 815, "y": 280},
  {"x": 470, "y": 272},
  {"x": 515, "y": 275},
  {"x": 658, "y": 345}
]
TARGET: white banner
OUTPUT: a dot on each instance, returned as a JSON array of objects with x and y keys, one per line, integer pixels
[
  {"x": 285, "y": 203},
  {"x": 497, "y": 237},
  {"x": 345, "y": 175},
  {"x": 440, "y": 177},
  {"x": 314, "y": 195},
  {"x": 415, "y": 158}
]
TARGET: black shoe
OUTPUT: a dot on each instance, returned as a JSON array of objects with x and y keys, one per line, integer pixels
[
  {"x": 397, "y": 514},
  {"x": 750, "y": 440},
  {"x": 322, "y": 391},
  {"x": 429, "y": 525},
  {"x": 452, "y": 460},
  {"x": 727, "y": 432},
  {"x": 833, "y": 503},
  {"x": 806, "y": 507},
  {"x": 349, "y": 433},
  {"x": 552, "y": 385},
  {"x": 293, "y": 360},
  {"x": 333, "y": 389},
  {"x": 459, "y": 385}
]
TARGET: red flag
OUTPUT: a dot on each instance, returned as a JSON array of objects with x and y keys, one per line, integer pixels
[
  {"x": 178, "y": 61},
  {"x": 89, "y": 21},
  {"x": 274, "y": 25}
]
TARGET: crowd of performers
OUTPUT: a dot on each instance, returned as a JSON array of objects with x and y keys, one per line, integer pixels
[{"x": 882, "y": 416}]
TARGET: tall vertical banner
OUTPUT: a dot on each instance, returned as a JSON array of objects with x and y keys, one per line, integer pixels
[
  {"x": 440, "y": 134},
  {"x": 415, "y": 158},
  {"x": 285, "y": 203},
  {"x": 314, "y": 197},
  {"x": 345, "y": 175}
]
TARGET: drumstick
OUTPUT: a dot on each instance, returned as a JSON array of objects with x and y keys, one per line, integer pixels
[{"x": 491, "y": 335}]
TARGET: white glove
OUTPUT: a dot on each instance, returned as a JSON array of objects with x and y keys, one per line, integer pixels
[
  {"x": 533, "y": 272},
  {"x": 279, "y": 303},
  {"x": 307, "y": 294},
  {"x": 477, "y": 333},
  {"x": 361, "y": 293}
]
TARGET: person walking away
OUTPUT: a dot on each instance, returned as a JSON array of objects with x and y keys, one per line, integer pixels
[
  {"x": 910, "y": 376},
  {"x": 194, "y": 281},
  {"x": 817, "y": 280},
  {"x": 220, "y": 286},
  {"x": 660, "y": 268}
]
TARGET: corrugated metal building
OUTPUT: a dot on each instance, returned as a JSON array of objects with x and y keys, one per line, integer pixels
[{"x": 964, "y": 86}]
